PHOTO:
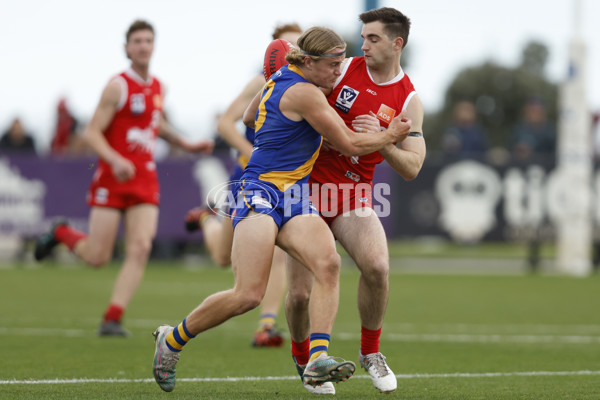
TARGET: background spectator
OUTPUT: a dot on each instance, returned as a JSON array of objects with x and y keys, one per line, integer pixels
[
  {"x": 533, "y": 137},
  {"x": 465, "y": 138},
  {"x": 16, "y": 141}
]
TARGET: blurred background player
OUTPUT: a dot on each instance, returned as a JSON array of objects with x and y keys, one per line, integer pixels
[
  {"x": 286, "y": 146},
  {"x": 217, "y": 229},
  {"x": 375, "y": 84},
  {"x": 123, "y": 132}
]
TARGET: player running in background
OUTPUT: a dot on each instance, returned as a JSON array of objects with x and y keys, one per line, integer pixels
[
  {"x": 123, "y": 132},
  {"x": 218, "y": 230},
  {"x": 273, "y": 209},
  {"x": 376, "y": 84}
]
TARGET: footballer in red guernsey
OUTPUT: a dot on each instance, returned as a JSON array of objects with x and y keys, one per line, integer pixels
[
  {"x": 354, "y": 94},
  {"x": 132, "y": 133},
  {"x": 123, "y": 132},
  {"x": 370, "y": 92}
]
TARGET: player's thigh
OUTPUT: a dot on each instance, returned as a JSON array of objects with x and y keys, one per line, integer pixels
[
  {"x": 104, "y": 225},
  {"x": 300, "y": 279},
  {"x": 307, "y": 238},
  {"x": 141, "y": 222},
  {"x": 226, "y": 234},
  {"x": 362, "y": 236},
  {"x": 252, "y": 251},
  {"x": 279, "y": 256}
]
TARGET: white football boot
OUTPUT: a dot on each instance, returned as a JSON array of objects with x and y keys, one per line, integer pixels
[{"x": 382, "y": 376}]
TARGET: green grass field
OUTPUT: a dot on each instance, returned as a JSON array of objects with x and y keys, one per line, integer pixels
[{"x": 446, "y": 336}]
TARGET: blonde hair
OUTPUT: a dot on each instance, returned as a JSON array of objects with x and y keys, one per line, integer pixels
[{"x": 316, "y": 42}]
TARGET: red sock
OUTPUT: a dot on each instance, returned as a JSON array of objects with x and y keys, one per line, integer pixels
[
  {"x": 369, "y": 341},
  {"x": 113, "y": 313},
  {"x": 300, "y": 351},
  {"x": 69, "y": 236}
]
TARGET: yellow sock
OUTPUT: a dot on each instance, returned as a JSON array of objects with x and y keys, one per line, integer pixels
[
  {"x": 179, "y": 337},
  {"x": 319, "y": 343},
  {"x": 266, "y": 321}
]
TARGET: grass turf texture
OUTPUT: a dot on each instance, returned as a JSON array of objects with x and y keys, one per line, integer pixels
[{"x": 495, "y": 330}]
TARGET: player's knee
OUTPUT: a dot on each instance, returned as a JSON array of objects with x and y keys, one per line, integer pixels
[
  {"x": 249, "y": 299},
  {"x": 328, "y": 266},
  {"x": 140, "y": 249},
  {"x": 222, "y": 260},
  {"x": 297, "y": 298},
  {"x": 98, "y": 260},
  {"x": 377, "y": 269}
]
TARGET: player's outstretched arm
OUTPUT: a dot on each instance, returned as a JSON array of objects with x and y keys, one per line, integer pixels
[
  {"x": 168, "y": 133},
  {"x": 407, "y": 156}
]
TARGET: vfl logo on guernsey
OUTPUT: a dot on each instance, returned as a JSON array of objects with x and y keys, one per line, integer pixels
[
  {"x": 346, "y": 98},
  {"x": 137, "y": 103},
  {"x": 386, "y": 113}
]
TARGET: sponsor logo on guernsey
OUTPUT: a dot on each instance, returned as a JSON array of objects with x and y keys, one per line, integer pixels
[
  {"x": 353, "y": 176},
  {"x": 137, "y": 103},
  {"x": 346, "y": 98},
  {"x": 386, "y": 113},
  {"x": 374, "y": 93},
  {"x": 142, "y": 139}
]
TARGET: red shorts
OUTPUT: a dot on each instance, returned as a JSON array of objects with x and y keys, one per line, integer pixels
[
  {"x": 106, "y": 192},
  {"x": 333, "y": 200}
]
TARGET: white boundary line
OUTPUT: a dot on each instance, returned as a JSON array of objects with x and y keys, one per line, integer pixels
[
  {"x": 288, "y": 378},
  {"x": 394, "y": 337}
]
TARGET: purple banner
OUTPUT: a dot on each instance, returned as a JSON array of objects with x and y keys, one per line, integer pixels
[{"x": 34, "y": 190}]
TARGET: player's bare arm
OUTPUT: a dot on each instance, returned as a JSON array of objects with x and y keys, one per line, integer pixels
[
  {"x": 362, "y": 123},
  {"x": 407, "y": 156},
  {"x": 122, "y": 168},
  {"x": 250, "y": 112},
  {"x": 227, "y": 121},
  {"x": 168, "y": 133},
  {"x": 307, "y": 101}
]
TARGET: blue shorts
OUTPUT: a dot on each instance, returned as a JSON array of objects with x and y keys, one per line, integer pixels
[
  {"x": 264, "y": 198},
  {"x": 234, "y": 187}
]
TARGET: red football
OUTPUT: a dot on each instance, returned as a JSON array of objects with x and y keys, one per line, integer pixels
[{"x": 275, "y": 56}]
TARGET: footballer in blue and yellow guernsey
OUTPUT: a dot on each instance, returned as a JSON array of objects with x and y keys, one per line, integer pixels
[{"x": 275, "y": 181}]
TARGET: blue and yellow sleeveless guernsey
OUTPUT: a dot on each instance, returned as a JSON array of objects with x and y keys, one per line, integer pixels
[{"x": 275, "y": 180}]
